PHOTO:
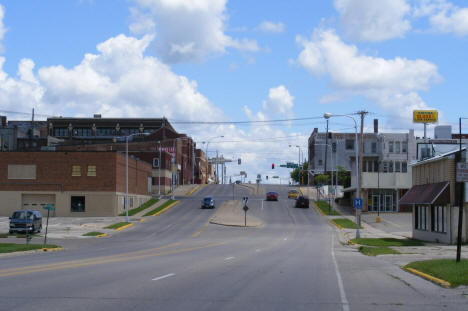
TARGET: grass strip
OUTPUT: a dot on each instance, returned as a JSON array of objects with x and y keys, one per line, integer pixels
[
  {"x": 93, "y": 233},
  {"x": 446, "y": 269},
  {"x": 142, "y": 207},
  {"x": 13, "y": 247},
  {"x": 325, "y": 208},
  {"x": 387, "y": 242},
  {"x": 345, "y": 223},
  {"x": 117, "y": 225},
  {"x": 159, "y": 208},
  {"x": 374, "y": 251}
]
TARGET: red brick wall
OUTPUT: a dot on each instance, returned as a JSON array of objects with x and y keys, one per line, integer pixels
[{"x": 55, "y": 169}]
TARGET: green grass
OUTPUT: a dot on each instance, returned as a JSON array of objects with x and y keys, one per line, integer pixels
[
  {"x": 387, "y": 242},
  {"x": 93, "y": 233},
  {"x": 446, "y": 269},
  {"x": 117, "y": 225},
  {"x": 142, "y": 207},
  {"x": 159, "y": 208},
  {"x": 12, "y": 247},
  {"x": 325, "y": 208},
  {"x": 374, "y": 251},
  {"x": 345, "y": 223}
]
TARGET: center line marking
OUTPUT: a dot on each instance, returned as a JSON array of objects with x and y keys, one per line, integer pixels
[
  {"x": 229, "y": 258},
  {"x": 163, "y": 277}
]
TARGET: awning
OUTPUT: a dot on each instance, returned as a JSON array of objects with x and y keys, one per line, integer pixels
[{"x": 438, "y": 193}]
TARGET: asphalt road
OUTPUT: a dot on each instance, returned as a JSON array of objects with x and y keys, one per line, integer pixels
[{"x": 178, "y": 261}]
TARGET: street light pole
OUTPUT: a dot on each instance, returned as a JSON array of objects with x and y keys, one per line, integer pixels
[
  {"x": 206, "y": 153},
  {"x": 358, "y": 189},
  {"x": 159, "y": 170}
]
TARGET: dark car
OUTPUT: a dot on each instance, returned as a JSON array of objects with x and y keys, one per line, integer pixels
[
  {"x": 272, "y": 196},
  {"x": 302, "y": 201},
  {"x": 208, "y": 202},
  {"x": 26, "y": 221}
]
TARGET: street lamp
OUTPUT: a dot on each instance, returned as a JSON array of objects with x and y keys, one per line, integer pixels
[
  {"x": 206, "y": 153},
  {"x": 358, "y": 190},
  {"x": 299, "y": 159},
  {"x": 126, "y": 170}
]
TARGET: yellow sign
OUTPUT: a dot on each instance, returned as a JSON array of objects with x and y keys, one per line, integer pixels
[{"x": 425, "y": 116}]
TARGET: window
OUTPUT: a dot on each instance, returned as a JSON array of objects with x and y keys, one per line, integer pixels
[
  {"x": 376, "y": 166},
  {"x": 82, "y": 132},
  {"x": 19, "y": 171},
  {"x": 374, "y": 147},
  {"x": 390, "y": 146},
  {"x": 397, "y": 166},
  {"x": 364, "y": 166},
  {"x": 334, "y": 147},
  {"x": 320, "y": 162},
  {"x": 349, "y": 144},
  {"x": 390, "y": 166},
  {"x": 76, "y": 170},
  {"x": 404, "y": 147},
  {"x": 404, "y": 167},
  {"x": 385, "y": 166},
  {"x": 105, "y": 131},
  {"x": 438, "y": 219},
  {"x": 78, "y": 204},
  {"x": 420, "y": 217},
  {"x": 61, "y": 132},
  {"x": 397, "y": 147},
  {"x": 91, "y": 170}
]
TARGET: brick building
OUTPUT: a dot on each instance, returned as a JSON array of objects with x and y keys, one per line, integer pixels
[{"x": 76, "y": 183}]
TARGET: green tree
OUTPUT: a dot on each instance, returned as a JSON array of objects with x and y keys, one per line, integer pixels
[
  {"x": 322, "y": 179},
  {"x": 296, "y": 174},
  {"x": 344, "y": 177}
]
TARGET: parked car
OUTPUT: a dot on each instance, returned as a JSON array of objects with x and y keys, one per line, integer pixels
[
  {"x": 272, "y": 196},
  {"x": 26, "y": 220},
  {"x": 302, "y": 201},
  {"x": 208, "y": 202},
  {"x": 293, "y": 194}
]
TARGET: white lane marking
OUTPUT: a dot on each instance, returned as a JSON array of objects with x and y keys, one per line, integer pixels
[
  {"x": 163, "y": 277},
  {"x": 258, "y": 249},
  {"x": 229, "y": 258},
  {"x": 285, "y": 239},
  {"x": 344, "y": 301}
]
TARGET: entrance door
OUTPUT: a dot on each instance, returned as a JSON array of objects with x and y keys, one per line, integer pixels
[{"x": 388, "y": 203}]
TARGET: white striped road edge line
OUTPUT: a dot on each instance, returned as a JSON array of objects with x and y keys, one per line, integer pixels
[
  {"x": 344, "y": 301},
  {"x": 229, "y": 258},
  {"x": 163, "y": 277}
]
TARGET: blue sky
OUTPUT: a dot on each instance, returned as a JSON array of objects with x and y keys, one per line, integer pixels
[{"x": 219, "y": 60}]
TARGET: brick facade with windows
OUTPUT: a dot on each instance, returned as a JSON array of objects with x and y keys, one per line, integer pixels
[{"x": 32, "y": 179}]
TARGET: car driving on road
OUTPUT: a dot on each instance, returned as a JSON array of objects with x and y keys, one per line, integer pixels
[
  {"x": 272, "y": 196},
  {"x": 208, "y": 202},
  {"x": 302, "y": 201}
]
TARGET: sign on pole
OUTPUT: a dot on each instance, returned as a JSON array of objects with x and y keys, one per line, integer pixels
[
  {"x": 357, "y": 203},
  {"x": 425, "y": 116},
  {"x": 462, "y": 172}
]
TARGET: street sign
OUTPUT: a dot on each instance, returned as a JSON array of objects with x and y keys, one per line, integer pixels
[
  {"x": 462, "y": 172},
  {"x": 49, "y": 207},
  {"x": 245, "y": 208},
  {"x": 357, "y": 203},
  {"x": 275, "y": 177},
  {"x": 244, "y": 200}
]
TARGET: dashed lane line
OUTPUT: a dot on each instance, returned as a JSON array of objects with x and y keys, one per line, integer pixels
[{"x": 163, "y": 277}]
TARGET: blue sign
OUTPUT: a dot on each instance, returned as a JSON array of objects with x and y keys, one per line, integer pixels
[{"x": 357, "y": 203}]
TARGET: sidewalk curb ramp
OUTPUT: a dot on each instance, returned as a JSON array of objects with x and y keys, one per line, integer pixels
[
  {"x": 428, "y": 277},
  {"x": 231, "y": 214}
]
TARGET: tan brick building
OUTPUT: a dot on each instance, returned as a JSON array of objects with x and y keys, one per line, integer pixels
[{"x": 76, "y": 183}]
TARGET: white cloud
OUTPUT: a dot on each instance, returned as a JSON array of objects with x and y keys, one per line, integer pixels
[
  {"x": 3, "y": 29},
  {"x": 279, "y": 103},
  {"x": 187, "y": 30},
  {"x": 444, "y": 16},
  {"x": 392, "y": 83},
  {"x": 370, "y": 20},
  {"x": 267, "y": 26}
]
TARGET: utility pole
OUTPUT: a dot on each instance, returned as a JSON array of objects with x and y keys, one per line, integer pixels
[
  {"x": 326, "y": 149},
  {"x": 361, "y": 147}
]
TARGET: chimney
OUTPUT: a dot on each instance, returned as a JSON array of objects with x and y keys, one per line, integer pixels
[{"x": 376, "y": 126}]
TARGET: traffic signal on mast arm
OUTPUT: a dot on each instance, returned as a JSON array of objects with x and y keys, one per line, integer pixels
[{"x": 272, "y": 166}]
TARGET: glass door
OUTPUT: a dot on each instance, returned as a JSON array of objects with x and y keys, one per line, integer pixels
[
  {"x": 388, "y": 203},
  {"x": 376, "y": 203}
]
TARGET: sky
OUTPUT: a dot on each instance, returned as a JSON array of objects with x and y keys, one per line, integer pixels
[{"x": 230, "y": 61}]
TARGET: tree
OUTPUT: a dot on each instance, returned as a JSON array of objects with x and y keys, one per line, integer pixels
[
  {"x": 296, "y": 174},
  {"x": 322, "y": 179},
  {"x": 344, "y": 177}
]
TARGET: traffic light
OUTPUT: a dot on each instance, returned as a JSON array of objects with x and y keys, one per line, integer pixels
[
  {"x": 239, "y": 161},
  {"x": 267, "y": 177},
  {"x": 272, "y": 166},
  {"x": 302, "y": 173}
]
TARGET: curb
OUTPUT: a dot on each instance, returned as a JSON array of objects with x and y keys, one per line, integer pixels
[
  {"x": 334, "y": 223},
  {"x": 123, "y": 227},
  {"x": 102, "y": 235},
  {"x": 142, "y": 220},
  {"x": 300, "y": 190},
  {"x": 428, "y": 277},
  {"x": 318, "y": 209},
  {"x": 52, "y": 249},
  {"x": 166, "y": 208},
  {"x": 192, "y": 191}
]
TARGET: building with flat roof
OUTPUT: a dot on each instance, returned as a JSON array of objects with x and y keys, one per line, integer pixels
[{"x": 76, "y": 183}]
